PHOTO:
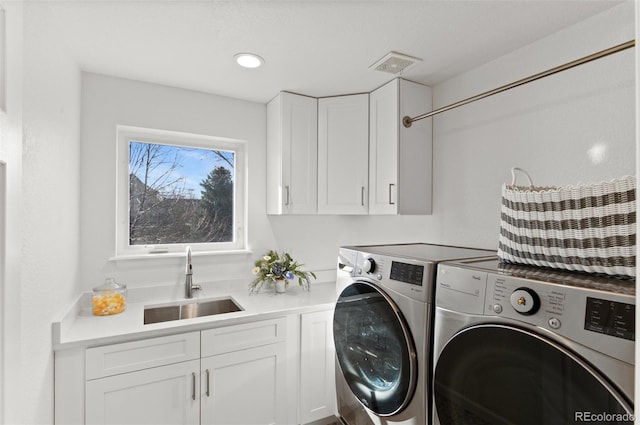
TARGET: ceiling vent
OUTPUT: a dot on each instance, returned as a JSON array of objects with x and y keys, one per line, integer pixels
[{"x": 394, "y": 63}]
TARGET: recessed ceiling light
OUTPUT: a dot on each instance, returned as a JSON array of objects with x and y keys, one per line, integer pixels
[{"x": 248, "y": 60}]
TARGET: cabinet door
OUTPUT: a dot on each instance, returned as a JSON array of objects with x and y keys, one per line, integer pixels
[
  {"x": 415, "y": 151},
  {"x": 343, "y": 158},
  {"x": 161, "y": 395},
  {"x": 245, "y": 387},
  {"x": 317, "y": 367},
  {"x": 400, "y": 159},
  {"x": 384, "y": 110},
  {"x": 292, "y": 154}
]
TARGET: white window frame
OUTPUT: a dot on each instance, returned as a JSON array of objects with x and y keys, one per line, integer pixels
[{"x": 125, "y": 134}]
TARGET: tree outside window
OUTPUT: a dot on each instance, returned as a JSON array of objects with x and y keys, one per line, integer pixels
[{"x": 180, "y": 195}]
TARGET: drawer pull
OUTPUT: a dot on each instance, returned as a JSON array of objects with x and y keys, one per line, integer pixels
[
  {"x": 193, "y": 386},
  {"x": 207, "y": 372}
]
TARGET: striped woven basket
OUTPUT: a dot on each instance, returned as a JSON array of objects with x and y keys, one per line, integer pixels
[{"x": 590, "y": 228}]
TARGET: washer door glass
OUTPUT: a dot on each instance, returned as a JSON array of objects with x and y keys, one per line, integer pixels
[
  {"x": 495, "y": 375},
  {"x": 374, "y": 348}
]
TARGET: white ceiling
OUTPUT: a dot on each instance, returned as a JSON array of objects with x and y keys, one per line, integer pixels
[{"x": 314, "y": 47}]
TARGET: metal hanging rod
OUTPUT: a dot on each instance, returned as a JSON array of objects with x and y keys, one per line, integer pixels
[{"x": 407, "y": 121}]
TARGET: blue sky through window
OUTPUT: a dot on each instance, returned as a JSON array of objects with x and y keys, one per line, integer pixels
[{"x": 182, "y": 169}]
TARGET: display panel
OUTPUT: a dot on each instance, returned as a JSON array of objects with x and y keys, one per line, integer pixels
[
  {"x": 408, "y": 273},
  {"x": 610, "y": 318}
]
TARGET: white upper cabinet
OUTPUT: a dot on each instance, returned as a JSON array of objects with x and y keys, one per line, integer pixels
[
  {"x": 384, "y": 110},
  {"x": 400, "y": 159},
  {"x": 343, "y": 159},
  {"x": 350, "y": 154},
  {"x": 292, "y": 154}
]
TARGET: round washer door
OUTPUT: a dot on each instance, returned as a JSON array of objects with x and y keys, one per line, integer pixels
[
  {"x": 494, "y": 375},
  {"x": 374, "y": 349}
]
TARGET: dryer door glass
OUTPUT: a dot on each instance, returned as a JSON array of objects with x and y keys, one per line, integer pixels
[
  {"x": 374, "y": 348},
  {"x": 494, "y": 375}
]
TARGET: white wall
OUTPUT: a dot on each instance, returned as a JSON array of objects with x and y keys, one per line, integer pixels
[
  {"x": 546, "y": 127},
  {"x": 10, "y": 210},
  {"x": 549, "y": 127},
  {"x": 108, "y": 102},
  {"x": 48, "y": 216}
]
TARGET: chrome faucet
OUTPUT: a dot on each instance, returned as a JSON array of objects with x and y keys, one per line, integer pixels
[{"x": 189, "y": 286}]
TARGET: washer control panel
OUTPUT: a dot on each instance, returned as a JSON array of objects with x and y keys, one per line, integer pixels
[
  {"x": 602, "y": 317},
  {"x": 524, "y": 298},
  {"x": 577, "y": 313},
  {"x": 406, "y": 276}
]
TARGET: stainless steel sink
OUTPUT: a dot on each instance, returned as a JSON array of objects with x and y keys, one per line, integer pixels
[{"x": 190, "y": 310}]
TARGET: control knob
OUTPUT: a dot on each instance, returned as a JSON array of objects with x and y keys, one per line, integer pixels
[
  {"x": 525, "y": 301},
  {"x": 369, "y": 265}
]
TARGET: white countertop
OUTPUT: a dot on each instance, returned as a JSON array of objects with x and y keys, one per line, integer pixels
[{"x": 80, "y": 328}]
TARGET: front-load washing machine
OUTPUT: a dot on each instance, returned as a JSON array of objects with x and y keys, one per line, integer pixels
[
  {"x": 381, "y": 328},
  {"x": 531, "y": 346}
]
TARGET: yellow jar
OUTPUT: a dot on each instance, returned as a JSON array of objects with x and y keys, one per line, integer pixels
[{"x": 109, "y": 298}]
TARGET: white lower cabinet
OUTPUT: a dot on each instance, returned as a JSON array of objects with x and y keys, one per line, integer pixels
[
  {"x": 251, "y": 373},
  {"x": 244, "y": 374},
  {"x": 151, "y": 381},
  {"x": 157, "y": 396},
  {"x": 317, "y": 366},
  {"x": 245, "y": 387},
  {"x": 238, "y": 376}
]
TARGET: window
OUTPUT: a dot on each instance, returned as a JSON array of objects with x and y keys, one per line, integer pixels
[{"x": 177, "y": 190}]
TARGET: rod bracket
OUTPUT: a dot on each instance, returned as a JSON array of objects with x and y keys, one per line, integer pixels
[{"x": 407, "y": 121}]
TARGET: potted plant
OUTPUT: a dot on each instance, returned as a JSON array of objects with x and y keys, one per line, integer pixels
[{"x": 279, "y": 268}]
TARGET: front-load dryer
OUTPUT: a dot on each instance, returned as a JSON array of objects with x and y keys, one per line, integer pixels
[
  {"x": 531, "y": 346},
  {"x": 382, "y": 330}
]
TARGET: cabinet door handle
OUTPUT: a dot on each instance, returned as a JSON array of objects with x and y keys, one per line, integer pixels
[
  {"x": 362, "y": 196},
  {"x": 391, "y": 185},
  {"x": 193, "y": 386},
  {"x": 207, "y": 373},
  {"x": 286, "y": 190}
]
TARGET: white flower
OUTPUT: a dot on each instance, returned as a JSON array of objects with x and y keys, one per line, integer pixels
[
  {"x": 266, "y": 258},
  {"x": 256, "y": 270}
]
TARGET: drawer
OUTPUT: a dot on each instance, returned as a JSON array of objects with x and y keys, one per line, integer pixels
[
  {"x": 136, "y": 355},
  {"x": 238, "y": 337}
]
